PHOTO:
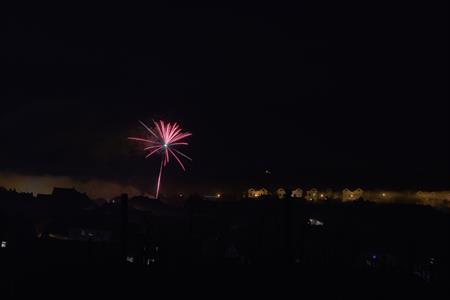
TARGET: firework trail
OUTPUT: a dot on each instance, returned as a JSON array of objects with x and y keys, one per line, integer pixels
[{"x": 164, "y": 138}]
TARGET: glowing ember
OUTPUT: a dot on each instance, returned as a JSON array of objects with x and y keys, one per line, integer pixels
[{"x": 163, "y": 139}]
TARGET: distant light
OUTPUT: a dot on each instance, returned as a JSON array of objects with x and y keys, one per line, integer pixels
[
  {"x": 374, "y": 257},
  {"x": 3, "y": 244},
  {"x": 219, "y": 195},
  {"x": 383, "y": 194},
  {"x": 130, "y": 259},
  {"x": 165, "y": 145},
  {"x": 321, "y": 195},
  {"x": 267, "y": 172},
  {"x": 180, "y": 195}
]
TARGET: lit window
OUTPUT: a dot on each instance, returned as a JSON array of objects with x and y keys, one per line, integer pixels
[{"x": 3, "y": 244}]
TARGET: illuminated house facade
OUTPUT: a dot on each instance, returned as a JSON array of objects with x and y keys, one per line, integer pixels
[
  {"x": 281, "y": 193},
  {"x": 297, "y": 193},
  {"x": 312, "y": 194},
  {"x": 348, "y": 195},
  {"x": 432, "y": 198},
  {"x": 254, "y": 193}
]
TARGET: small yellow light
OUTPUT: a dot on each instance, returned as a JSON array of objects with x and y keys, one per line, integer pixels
[
  {"x": 384, "y": 194},
  {"x": 219, "y": 195}
]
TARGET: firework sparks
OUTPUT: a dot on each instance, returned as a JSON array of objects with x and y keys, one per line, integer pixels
[{"x": 163, "y": 139}]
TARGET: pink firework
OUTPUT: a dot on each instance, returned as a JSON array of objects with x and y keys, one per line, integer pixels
[{"x": 164, "y": 139}]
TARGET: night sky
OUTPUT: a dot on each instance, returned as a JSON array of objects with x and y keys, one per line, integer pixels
[{"x": 320, "y": 95}]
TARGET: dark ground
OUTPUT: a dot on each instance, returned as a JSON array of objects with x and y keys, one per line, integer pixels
[{"x": 208, "y": 249}]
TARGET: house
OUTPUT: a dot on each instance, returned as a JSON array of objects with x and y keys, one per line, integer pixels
[
  {"x": 253, "y": 193},
  {"x": 297, "y": 193},
  {"x": 348, "y": 195},
  {"x": 281, "y": 193},
  {"x": 312, "y": 195}
]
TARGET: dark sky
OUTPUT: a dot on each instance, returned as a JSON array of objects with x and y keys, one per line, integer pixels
[{"x": 320, "y": 95}]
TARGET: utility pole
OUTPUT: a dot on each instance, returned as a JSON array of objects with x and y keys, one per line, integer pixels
[
  {"x": 124, "y": 227},
  {"x": 287, "y": 230}
]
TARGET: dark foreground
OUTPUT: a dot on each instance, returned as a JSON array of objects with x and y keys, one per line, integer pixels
[
  {"x": 277, "y": 248},
  {"x": 206, "y": 283}
]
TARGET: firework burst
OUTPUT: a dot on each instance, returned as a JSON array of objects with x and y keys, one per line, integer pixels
[{"x": 164, "y": 139}]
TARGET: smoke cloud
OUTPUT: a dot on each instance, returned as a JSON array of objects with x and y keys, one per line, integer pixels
[{"x": 94, "y": 188}]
